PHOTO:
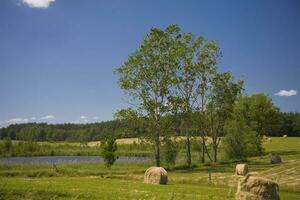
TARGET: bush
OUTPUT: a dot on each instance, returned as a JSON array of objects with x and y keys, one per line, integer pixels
[
  {"x": 170, "y": 151},
  {"x": 109, "y": 146},
  {"x": 6, "y": 147},
  {"x": 240, "y": 141}
]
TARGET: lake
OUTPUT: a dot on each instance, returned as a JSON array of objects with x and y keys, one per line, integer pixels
[{"x": 66, "y": 159}]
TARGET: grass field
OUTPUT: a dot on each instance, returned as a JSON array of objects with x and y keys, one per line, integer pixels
[
  {"x": 107, "y": 188},
  {"x": 124, "y": 180}
]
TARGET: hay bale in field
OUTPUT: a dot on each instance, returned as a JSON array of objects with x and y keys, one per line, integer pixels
[
  {"x": 284, "y": 136},
  {"x": 275, "y": 159},
  {"x": 241, "y": 169},
  {"x": 156, "y": 175},
  {"x": 256, "y": 188}
]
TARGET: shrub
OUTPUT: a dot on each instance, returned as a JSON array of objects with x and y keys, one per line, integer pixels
[
  {"x": 109, "y": 146},
  {"x": 240, "y": 141},
  {"x": 6, "y": 147},
  {"x": 170, "y": 151}
]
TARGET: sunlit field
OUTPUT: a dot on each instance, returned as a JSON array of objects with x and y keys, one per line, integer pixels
[{"x": 125, "y": 179}]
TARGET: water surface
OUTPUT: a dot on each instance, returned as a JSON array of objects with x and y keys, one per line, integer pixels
[{"x": 66, "y": 159}]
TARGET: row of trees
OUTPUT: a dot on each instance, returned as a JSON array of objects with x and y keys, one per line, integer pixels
[
  {"x": 65, "y": 132},
  {"x": 174, "y": 73},
  {"x": 286, "y": 124},
  {"x": 176, "y": 88}
]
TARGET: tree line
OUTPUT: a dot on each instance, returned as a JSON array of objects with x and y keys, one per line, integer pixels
[
  {"x": 66, "y": 132},
  {"x": 288, "y": 124}
]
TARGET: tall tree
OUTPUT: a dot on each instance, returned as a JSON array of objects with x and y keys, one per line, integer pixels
[
  {"x": 208, "y": 58},
  {"x": 195, "y": 56},
  {"x": 225, "y": 92},
  {"x": 147, "y": 77}
]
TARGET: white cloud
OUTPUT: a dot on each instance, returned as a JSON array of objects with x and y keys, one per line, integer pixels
[
  {"x": 83, "y": 117},
  {"x": 47, "y": 117},
  {"x": 37, "y": 3},
  {"x": 20, "y": 120},
  {"x": 286, "y": 93},
  {"x": 13, "y": 121}
]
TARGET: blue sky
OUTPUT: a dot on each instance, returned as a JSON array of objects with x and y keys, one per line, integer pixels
[{"x": 57, "y": 57}]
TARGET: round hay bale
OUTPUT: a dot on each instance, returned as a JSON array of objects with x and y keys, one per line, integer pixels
[
  {"x": 257, "y": 188},
  {"x": 284, "y": 136},
  {"x": 241, "y": 169},
  {"x": 156, "y": 175},
  {"x": 275, "y": 159}
]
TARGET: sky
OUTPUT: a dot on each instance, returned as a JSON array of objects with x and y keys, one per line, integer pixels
[{"x": 57, "y": 57}]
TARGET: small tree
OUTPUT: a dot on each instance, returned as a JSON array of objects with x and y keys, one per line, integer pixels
[
  {"x": 240, "y": 141},
  {"x": 170, "y": 151},
  {"x": 109, "y": 146}
]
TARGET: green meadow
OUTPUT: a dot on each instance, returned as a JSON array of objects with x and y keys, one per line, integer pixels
[{"x": 125, "y": 179}]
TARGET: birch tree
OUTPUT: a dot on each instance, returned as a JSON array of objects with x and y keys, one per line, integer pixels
[{"x": 147, "y": 77}]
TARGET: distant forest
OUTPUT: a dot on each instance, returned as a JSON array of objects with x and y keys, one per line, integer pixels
[{"x": 289, "y": 124}]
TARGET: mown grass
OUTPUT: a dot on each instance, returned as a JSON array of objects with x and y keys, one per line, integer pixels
[
  {"x": 124, "y": 179},
  {"x": 104, "y": 188}
]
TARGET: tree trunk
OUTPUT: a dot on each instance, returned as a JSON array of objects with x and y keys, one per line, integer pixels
[
  {"x": 203, "y": 149},
  {"x": 157, "y": 151},
  {"x": 215, "y": 152},
  {"x": 188, "y": 152}
]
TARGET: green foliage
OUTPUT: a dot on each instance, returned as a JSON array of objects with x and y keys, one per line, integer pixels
[
  {"x": 6, "y": 147},
  {"x": 197, "y": 64},
  {"x": 108, "y": 147},
  {"x": 240, "y": 141},
  {"x": 169, "y": 151},
  {"x": 259, "y": 112},
  {"x": 65, "y": 132},
  {"x": 225, "y": 92},
  {"x": 148, "y": 75},
  {"x": 289, "y": 125}
]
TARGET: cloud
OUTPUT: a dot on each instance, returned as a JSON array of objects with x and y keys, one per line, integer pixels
[
  {"x": 47, "y": 117},
  {"x": 20, "y": 120},
  {"x": 37, "y": 3},
  {"x": 83, "y": 117},
  {"x": 13, "y": 121},
  {"x": 286, "y": 93}
]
